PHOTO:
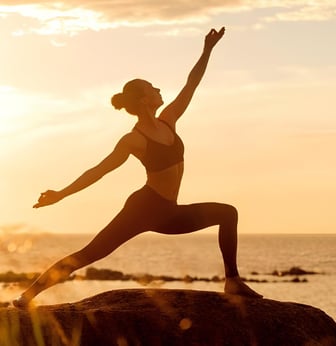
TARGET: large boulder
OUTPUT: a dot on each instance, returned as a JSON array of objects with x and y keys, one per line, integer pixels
[{"x": 167, "y": 317}]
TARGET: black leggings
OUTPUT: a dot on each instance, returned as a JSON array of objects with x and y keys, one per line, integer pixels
[{"x": 146, "y": 210}]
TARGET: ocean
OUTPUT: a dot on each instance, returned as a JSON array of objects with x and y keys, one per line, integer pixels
[{"x": 263, "y": 261}]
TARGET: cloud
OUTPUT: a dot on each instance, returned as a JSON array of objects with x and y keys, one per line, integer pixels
[
  {"x": 74, "y": 16},
  {"x": 187, "y": 32},
  {"x": 319, "y": 11},
  {"x": 57, "y": 43},
  {"x": 51, "y": 20}
]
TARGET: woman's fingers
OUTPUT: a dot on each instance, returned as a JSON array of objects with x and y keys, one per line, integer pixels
[
  {"x": 41, "y": 199},
  {"x": 46, "y": 198},
  {"x": 214, "y": 36},
  {"x": 214, "y": 31}
]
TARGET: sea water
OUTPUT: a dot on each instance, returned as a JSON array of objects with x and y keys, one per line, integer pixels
[{"x": 197, "y": 254}]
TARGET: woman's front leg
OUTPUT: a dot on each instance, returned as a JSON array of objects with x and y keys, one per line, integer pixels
[{"x": 193, "y": 217}]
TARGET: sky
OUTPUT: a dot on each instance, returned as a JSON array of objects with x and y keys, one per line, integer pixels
[{"x": 260, "y": 132}]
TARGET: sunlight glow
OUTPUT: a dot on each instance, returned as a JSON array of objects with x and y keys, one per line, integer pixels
[
  {"x": 264, "y": 109},
  {"x": 9, "y": 109},
  {"x": 18, "y": 109},
  {"x": 56, "y": 21}
]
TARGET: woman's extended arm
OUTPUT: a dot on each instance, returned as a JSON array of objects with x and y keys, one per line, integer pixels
[
  {"x": 175, "y": 109},
  {"x": 118, "y": 156}
]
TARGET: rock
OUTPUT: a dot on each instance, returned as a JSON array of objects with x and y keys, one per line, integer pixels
[
  {"x": 300, "y": 271},
  {"x": 216, "y": 278},
  {"x": 17, "y": 277},
  {"x": 103, "y": 274},
  {"x": 298, "y": 280},
  {"x": 293, "y": 271},
  {"x": 162, "y": 317}
]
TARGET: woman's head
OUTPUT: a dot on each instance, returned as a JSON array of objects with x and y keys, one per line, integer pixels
[{"x": 136, "y": 95}]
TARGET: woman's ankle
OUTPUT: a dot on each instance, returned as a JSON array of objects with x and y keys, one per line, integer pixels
[{"x": 21, "y": 302}]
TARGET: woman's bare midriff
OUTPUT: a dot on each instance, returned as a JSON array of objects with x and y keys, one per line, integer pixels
[{"x": 166, "y": 182}]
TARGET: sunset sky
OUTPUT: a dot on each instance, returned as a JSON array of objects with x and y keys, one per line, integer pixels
[{"x": 260, "y": 132}]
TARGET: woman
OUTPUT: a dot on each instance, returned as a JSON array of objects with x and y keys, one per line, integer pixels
[{"x": 155, "y": 143}]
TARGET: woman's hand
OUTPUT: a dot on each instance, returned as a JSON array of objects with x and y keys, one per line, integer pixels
[
  {"x": 47, "y": 198},
  {"x": 213, "y": 37}
]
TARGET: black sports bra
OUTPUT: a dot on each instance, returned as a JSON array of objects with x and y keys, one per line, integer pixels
[{"x": 159, "y": 156}]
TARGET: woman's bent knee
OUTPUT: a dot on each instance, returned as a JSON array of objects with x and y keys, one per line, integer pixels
[{"x": 231, "y": 213}]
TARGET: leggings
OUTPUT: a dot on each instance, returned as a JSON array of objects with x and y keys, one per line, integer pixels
[{"x": 146, "y": 210}]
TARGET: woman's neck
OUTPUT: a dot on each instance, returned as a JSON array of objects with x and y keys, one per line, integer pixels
[{"x": 147, "y": 118}]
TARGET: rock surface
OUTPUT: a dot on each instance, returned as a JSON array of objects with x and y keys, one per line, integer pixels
[{"x": 168, "y": 317}]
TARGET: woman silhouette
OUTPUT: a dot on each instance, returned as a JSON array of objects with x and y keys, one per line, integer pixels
[{"x": 155, "y": 143}]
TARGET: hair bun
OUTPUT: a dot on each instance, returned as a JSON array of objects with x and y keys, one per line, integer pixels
[{"x": 118, "y": 101}]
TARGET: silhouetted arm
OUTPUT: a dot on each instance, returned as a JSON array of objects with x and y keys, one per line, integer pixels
[
  {"x": 175, "y": 109},
  {"x": 118, "y": 156}
]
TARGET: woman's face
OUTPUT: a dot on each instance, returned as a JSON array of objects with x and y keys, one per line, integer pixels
[{"x": 152, "y": 96}]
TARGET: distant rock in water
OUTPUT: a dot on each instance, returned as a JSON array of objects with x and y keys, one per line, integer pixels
[
  {"x": 105, "y": 274},
  {"x": 10, "y": 276},
  {"x": 108, "y": 274},
  {"x": 168, "y": 318},
  {"x": 93, "y": 273},
  {"x": 293, "y": 271}
]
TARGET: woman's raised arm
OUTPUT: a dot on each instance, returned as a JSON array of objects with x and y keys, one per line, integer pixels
[{"x": 175, "y": 109}]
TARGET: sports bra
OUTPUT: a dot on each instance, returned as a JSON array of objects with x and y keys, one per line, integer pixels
[{"x": 159, "y": 156}]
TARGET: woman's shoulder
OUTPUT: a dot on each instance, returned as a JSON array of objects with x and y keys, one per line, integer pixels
[
  {"x": 135, "y": 142},
  {"x": 168, "y": 120}
]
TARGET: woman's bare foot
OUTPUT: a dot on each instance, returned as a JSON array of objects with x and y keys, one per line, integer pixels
[
  {"x": 236, "y": 286},
  {"x": 21, "y": 302}
]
